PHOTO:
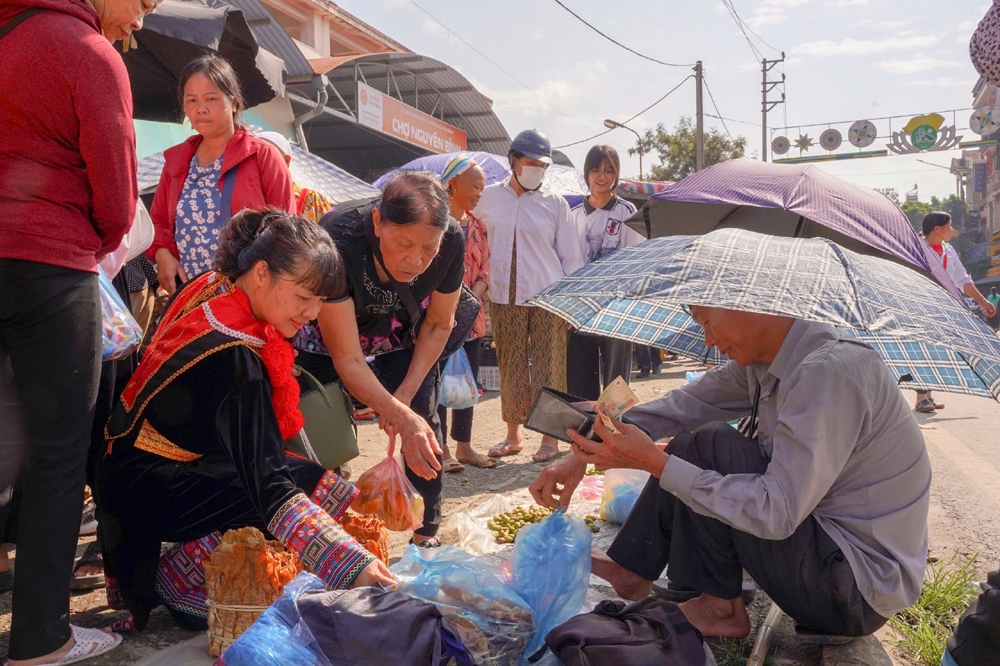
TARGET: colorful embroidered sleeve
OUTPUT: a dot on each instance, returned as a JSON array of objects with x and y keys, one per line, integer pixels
[
  {"x": 321, "y": 544},
  {"x": 334, "y": 495}
]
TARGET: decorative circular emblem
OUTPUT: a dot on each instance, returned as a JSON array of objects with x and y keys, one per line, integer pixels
[
  {"x": 924, "y": 137},
  {"x": 985, "y": 120},
  {"x": 830, "y": 139},
  {"x": 780, "y": 145},
  {"x": 862, "y": 134},
  {"x": 364, "y": 98}
]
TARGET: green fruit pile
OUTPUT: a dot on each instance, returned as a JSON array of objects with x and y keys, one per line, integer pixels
[
  {"x": 592, "y": 524},
  {"x": 506, "y": 525}
]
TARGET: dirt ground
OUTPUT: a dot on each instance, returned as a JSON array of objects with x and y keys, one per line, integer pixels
[{"x": 461, "y": 490}]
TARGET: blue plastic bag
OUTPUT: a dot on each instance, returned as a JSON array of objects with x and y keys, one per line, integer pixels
[
  {"x": 550, "y": 570},
  {"x": 279, "y": 637},
  {"x": 621, "y": 491},
  {"x": 458, "y": 385},
  {"x": 476, "y": 600},
  {"x": 121, "y": 332}
]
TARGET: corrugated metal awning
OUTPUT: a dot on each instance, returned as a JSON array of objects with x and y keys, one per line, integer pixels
[
  {"x": 271, "y": 36},
  {"x": 421, "y": 82}
]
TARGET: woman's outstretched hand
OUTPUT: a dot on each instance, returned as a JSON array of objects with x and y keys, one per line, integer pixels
[{"x": 375, "y": 573}]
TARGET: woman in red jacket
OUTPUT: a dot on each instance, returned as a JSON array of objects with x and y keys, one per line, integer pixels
[{"x": 222, "y": 163}]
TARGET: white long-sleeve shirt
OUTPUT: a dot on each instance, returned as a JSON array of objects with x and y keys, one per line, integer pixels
[
  {"x": 548, "y": 243},
  {"x": 953, "y": 266}
]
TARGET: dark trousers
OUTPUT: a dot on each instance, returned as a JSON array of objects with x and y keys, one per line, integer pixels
[
  {"x": 647, "y": 358},
  {"x": 461, "y": 423},
  {"x": 806, "y": 574},
  {"x": 593, "y": 362},
  {"x": 50, "y": 329},
  {"x": 391, "y": 370},
  {"x": 976, "y": 641}
]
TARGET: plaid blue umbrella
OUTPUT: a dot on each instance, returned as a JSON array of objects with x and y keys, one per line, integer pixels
[
  {"x": 639, "y": 294},
  {"x": 308, "y": 171}
]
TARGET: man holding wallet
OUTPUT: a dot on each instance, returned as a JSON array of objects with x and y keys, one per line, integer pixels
[{"x": 822, "y": 495}]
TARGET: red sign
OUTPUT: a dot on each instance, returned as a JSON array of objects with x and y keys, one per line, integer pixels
[{"x": 387, "y": 114}]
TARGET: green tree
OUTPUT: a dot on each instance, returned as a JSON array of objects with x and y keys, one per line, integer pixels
[
  {"x": 916, "y": 211},
  {"x": 958, "y": 209},
  {"x": 676, "y": 149}
]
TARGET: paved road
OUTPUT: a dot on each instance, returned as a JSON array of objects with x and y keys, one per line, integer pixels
[{"x": 963, "y": 441}]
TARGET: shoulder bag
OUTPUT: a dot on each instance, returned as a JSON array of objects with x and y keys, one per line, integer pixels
[{"x": 329, "y": 436}]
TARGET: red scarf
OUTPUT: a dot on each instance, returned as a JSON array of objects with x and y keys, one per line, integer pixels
[
  {"x": 212, "y": 303},
  {"x": 939, "y": 248}
]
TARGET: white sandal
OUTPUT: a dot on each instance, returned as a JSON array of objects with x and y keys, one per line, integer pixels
[{"x": 89, "y": 643}]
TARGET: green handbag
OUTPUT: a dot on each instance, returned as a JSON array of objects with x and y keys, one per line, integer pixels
[{"x": 330, "y": 436}]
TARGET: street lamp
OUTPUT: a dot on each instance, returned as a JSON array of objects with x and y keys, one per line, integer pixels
[{"x": 613, "y": 124}]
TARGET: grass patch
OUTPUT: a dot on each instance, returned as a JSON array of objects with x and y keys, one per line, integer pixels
[
  {"x": 732, "y": 652},
  {"x": 923, "y": 629}
]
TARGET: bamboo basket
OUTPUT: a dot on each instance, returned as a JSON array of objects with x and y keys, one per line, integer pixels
[{"x": 244, "y": 576}]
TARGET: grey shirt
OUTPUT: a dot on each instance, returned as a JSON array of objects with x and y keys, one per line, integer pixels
[{"x": 842, "y": 445}]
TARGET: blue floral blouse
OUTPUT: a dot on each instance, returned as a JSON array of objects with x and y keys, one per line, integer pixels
[{"x": 199, "y": 218}]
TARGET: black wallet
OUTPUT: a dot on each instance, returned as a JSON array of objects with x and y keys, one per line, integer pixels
[{"x": 553, "y": 412}]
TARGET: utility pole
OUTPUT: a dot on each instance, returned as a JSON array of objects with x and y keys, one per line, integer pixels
[
  {"x": 766, "y": 105},
  {"x": 699, "y": 131}
]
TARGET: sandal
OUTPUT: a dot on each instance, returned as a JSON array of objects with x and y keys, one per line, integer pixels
[
  {"x": 428, "y": 543},
  {"x": 504, "y": 449},
  {"x": 925, "y": 406},
  {"x": 451, "y": 465},
  {"x": 545, "y": 456},
  {"x": 89, "y": 643},
  {"x": 90, "y": 581},
  {"x": 481, "y": 461},
  {"x": 365, "y": 414}
]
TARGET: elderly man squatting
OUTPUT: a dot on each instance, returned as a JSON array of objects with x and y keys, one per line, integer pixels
[{"x": 826, "y": 508}]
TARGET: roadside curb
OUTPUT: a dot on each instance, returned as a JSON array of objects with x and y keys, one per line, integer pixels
[{"x": 864, "y": 651}]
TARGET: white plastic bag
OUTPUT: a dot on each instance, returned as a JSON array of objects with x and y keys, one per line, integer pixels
[
  {"x": 621, "y": 490},
  {"x": 458, "y": 384},
  {"x": 135, "y": 242}
]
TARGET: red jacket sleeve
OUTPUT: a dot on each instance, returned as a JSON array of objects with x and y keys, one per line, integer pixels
[
  {"x": 163, "y": 224},
  {"x": 275, "y": 178},
  {"x": 102, "y": 100}
]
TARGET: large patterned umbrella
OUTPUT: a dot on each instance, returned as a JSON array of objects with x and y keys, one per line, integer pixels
[
  {"x": 308, "y": 171},
  {"x": 640, "y": 294},
  {"x": 785, "y": 200}
]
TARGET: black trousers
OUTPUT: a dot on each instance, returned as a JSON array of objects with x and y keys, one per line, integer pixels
[
  {"x": 648, "y": 358},
  {"x": 461, "y": 422},
  {"x": 806, "y": 574},
  {"x": 391, "y": 370},
  {"x": 593, "y": 362},
  {"x": 50, "y": 329}
]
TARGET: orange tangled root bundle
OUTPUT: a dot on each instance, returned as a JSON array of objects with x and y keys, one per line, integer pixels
[{"x": 370, "y": 532}]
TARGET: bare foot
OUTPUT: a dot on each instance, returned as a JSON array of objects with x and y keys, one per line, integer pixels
[
  {"x": 89, "y": 569},
  {"x": 628, "y": 585},
  {"x": 722, "y": 618}
]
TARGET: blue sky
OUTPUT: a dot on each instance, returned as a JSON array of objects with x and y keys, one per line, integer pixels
[{"x": 846, "y": 60}]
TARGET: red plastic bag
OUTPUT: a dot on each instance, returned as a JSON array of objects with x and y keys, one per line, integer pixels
[{"x": 386, "y": 492}]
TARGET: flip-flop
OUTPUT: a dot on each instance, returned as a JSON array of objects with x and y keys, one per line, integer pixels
[
  {"x": 92, "y": 581},
  {"x": 451, "y": 465},
  {"x": 366, "y": 416},
  {"x": 89, "y": 643},
  {"x": 481, "y": 461},
  {"x": 504, "y": 449},
  {"x": 540, "y": 457},
  {"x": 429, "y": 543}
]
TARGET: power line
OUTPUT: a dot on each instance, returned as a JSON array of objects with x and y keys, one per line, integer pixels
[
  {"x": 716, "y": 107},
  {"x": 739, "y": 24},
  {"x": 748, "y": 27},
  {"x": 617, "y": 43},
  {"x": 669, "y": 92},
  {"x": 733, "y": 120},
  {"x": 498, "y": 66}
]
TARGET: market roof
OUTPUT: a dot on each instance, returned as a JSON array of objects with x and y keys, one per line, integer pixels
[
  {"x": 272, "y": 36},
  {"x": 421, "y": 82}
]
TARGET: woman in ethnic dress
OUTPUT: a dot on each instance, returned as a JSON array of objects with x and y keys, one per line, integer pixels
[{"x": 195, "y": 443}]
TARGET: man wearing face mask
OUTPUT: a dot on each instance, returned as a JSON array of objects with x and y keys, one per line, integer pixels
[{"x": 533, "y": 243}]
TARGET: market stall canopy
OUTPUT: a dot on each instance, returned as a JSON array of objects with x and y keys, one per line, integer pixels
[
  {"x": 558, "y": 179},
  {"x": 430, "y": 87},
  {"x": 308, "y": 171},
  {"x": 180, "y": 31},
  {"x": 642, "y": 293},
  {"x": 786, "y": 200}
]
